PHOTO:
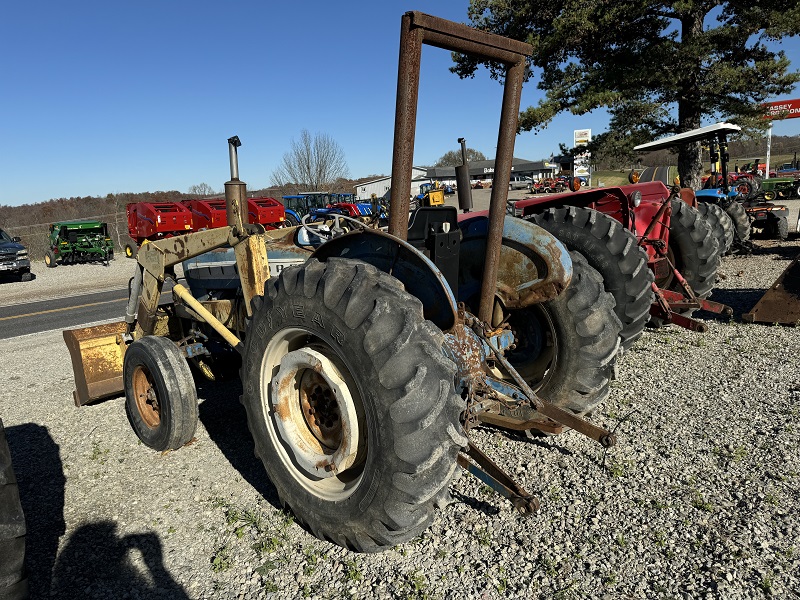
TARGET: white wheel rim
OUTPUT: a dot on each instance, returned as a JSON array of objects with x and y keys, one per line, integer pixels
[{"x": 325, "y": 457}]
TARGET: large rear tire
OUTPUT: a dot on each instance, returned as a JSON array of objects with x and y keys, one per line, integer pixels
[
  {"x": 160, "y": 395},
  {"x": 566, "y": 348},
  {"x": 693, "y": 250},
  {"x": 720, "y": 223},
  {"x": 613, "y": 251},
  {"x": 13, "y": 582},
  {"x": 351, "y": 403},
  {"x": 741, "y": 222}
]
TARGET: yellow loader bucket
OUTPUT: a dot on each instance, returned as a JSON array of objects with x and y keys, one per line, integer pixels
[
  {"x": 96, "y": 354},
  {"x": 781, "y": 302}
]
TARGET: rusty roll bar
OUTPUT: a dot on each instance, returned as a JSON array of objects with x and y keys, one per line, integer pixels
[{"x": 417, "y": 29}]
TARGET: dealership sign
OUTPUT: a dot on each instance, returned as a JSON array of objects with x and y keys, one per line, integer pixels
[
  {"x": 783, "y": 109},
  {"x": 581, "y": 162}
]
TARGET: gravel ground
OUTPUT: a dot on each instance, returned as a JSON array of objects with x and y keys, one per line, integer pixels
[{"x": 698, "y": 499}]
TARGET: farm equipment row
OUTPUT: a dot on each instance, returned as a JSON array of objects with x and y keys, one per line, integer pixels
[
  {"x": 151, "y": 221},
  {"x": 369, "y": 354}
]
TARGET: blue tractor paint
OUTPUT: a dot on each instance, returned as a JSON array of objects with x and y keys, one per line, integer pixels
[{"x": 534, "y": 265}]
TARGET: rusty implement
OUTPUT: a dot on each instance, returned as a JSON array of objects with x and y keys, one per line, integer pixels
[
  {"x": 781, "y": 302},
  {"x": 97, "y": 354}
]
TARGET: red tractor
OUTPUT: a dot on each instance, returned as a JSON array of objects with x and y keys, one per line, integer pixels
[{"x": 624, "y": 230}]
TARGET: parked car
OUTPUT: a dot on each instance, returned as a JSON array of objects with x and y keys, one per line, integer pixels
[
  {"x": 519, "y": 182},
  {"x": 14, "y": 259}
]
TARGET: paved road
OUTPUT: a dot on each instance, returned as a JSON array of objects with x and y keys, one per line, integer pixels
[
  {"x": 63, "y": 313},
  {"x": 656, "y": 174}
]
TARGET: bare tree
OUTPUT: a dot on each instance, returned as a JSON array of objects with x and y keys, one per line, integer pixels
[
  {"x": 453, "y": 158},
  {"x": 312, "y": 163},
  {"x": 201, "y": 189}
]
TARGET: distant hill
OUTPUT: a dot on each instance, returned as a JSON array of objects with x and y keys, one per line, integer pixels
[{"x": 31, "y": 221}]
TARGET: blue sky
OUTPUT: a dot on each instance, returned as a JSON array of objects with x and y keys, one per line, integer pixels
[{"x": 108, "y": 97}]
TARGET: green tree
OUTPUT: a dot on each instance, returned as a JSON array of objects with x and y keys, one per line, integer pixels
[
  {"x": 659, "y": 67},
  {"x": 313, "y": 163},
  {"x": 453, "y": 158}
]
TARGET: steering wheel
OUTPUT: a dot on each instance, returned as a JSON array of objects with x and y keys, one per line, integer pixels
[{"x": 328, "y": 234}]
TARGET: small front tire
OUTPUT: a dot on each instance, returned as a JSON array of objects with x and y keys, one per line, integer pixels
[
  {"x": 160, "y": 395},
  {"x": 50, "y": 259}
]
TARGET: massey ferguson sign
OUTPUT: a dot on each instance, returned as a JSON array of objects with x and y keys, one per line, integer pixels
[{"x": 783, "y": 109}]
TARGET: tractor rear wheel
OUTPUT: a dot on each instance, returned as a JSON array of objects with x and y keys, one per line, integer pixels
[
  {"x": 50, "y": 259},
  {"x": 351, "y": 403},
  {"x": 160, "y": 395},
  {"x": 692, "y": 249},
  {"x": 292, "y": 220},
  {"x": 720, "y": 223},
  {"x": 13, "y": 582},
  {"x": 614, "y": 252},
  {"x": 741, "y": 222},
  {"x": 567, "y": 347}
]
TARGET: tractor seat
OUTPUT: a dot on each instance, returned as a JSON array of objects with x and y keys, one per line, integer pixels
[{"x": 427, "y": 219}]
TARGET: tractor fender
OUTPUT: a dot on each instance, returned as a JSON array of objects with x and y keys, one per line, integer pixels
[
  {"x": 534, "y": 265},
  {"x": 400, "y": 259}
]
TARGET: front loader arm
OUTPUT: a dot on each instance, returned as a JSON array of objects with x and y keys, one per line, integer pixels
[{"x": 157, "y": 259}]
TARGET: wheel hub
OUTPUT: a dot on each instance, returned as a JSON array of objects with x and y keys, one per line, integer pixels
[
  {"x": 318, "y": 401},
  {"x": 146, "y": 398},
  {"x": 315, "y": 414}
]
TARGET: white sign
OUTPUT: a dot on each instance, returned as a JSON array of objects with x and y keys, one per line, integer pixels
[{"x": 581, "y": 163}]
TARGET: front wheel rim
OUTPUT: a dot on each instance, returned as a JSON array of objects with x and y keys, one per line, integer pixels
[{"x": 144, "y": 393}]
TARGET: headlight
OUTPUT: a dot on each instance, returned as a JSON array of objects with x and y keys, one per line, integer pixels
[
  {"x": 510, "y": 207},
  {"x": 635, "y": 198},
  {"x": 22, "y": 254}
]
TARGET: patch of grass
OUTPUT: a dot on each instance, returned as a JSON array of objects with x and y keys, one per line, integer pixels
[
  {"x": 767, "y": 583},
  {"x": 698, "y": 501},
  {"x": 610, "y": 579},
  {"x": 502, "y": 580},
  {"x": 660, "y": 537},
  {"x": 484, "y": 537},
  {"x": 98, "y": 453},
  {"x": 222, "y": 560},
  {"x": 267, "y": 545},
  {"x": 621, "y": 541},
  {"x": 351, "y": 571},
  {"x": 418, "y": 584},
  {"x": 549, "y": 566},
  {"x": 616, "y": 469}
]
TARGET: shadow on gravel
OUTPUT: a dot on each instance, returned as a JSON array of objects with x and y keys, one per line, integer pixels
[
  {"x": 741, "y": 301},
  {"x": 97, "y": 563},
  {"x": 225, "y": 419},
  {"x": 40, "y": 477},
  {"x": 479, "y": 505}
]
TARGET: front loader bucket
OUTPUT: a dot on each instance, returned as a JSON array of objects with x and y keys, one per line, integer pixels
[
  {"x": 96, "y": 354},
  {"x": 781, "y": 302}
]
